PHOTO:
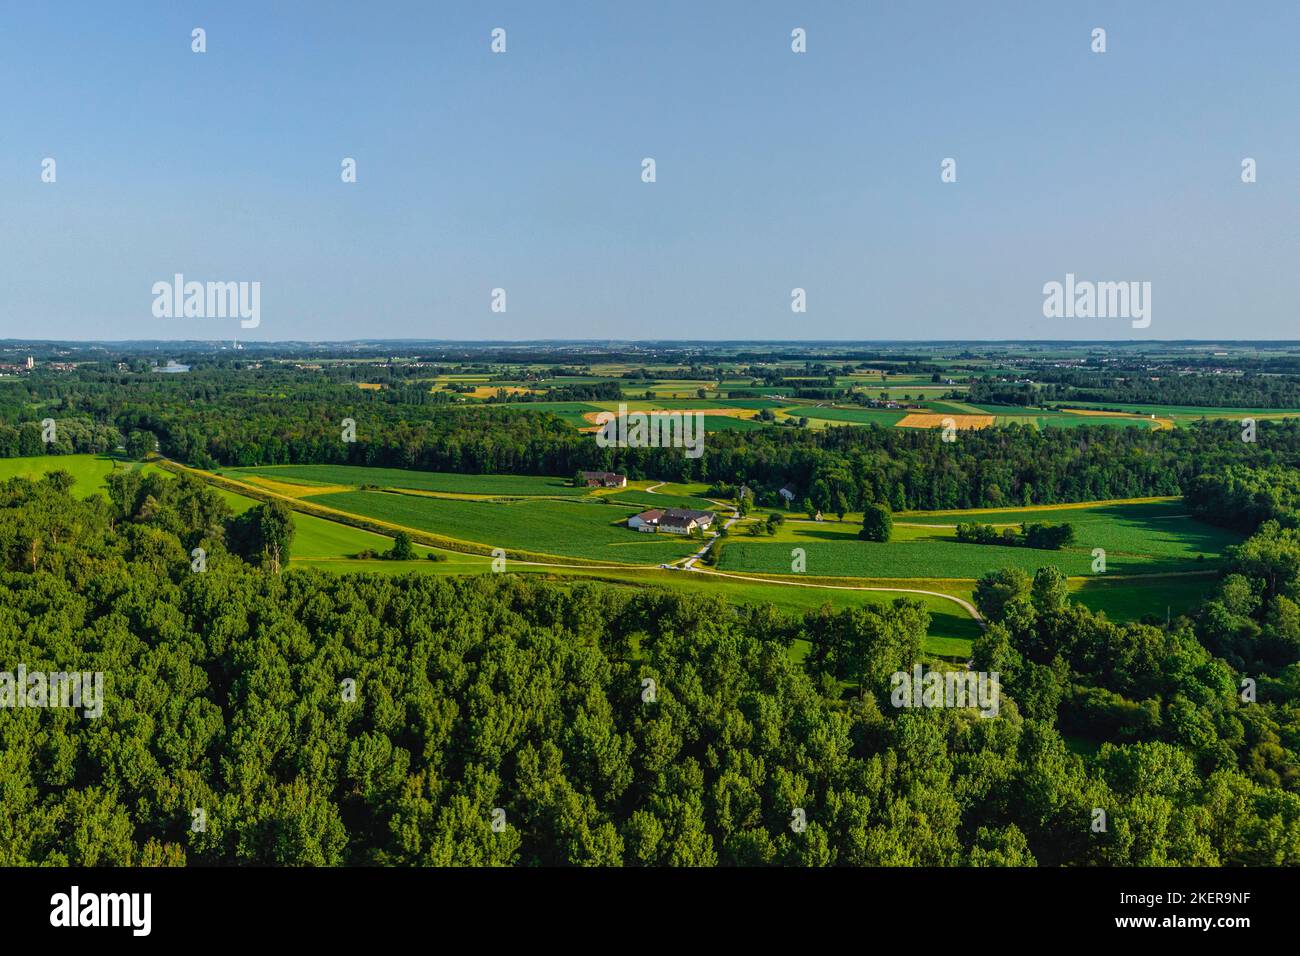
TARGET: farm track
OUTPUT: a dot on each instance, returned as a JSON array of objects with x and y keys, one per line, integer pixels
[{"x": 969, "y": 608}]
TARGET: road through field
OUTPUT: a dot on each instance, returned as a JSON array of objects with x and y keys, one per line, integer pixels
[{"x": 970, "y": 608}]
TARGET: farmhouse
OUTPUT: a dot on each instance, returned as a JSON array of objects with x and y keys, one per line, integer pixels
[
  {"x": 672, "y": 520},
  {"x": 788, "y": 494},
  {"x": 604, "y": 479}
]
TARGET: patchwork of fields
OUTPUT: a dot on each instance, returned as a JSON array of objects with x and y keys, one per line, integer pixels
[{"x": 1157, "y": 539}]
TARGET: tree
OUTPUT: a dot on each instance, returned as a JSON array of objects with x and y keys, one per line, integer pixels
[
  {"x": 1051, "y": 591},
  {"x": 263, "y": 535},
  {"x": 997, "y": 589},
  {"x": 877, "y": 523},
  {"x": 276, "y": 530},
  {"x": 402, "y": 550},
  {"x": 140, "y": 443}
]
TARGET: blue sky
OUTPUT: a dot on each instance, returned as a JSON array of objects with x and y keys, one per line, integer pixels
[{"x": 774, "y": 170}]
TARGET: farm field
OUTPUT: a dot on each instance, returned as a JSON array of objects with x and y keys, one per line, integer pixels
[
  {"x": 1186, "y": 414},
  {"x": 939, "y": 420},
  {"x": 1150, "y": 537},
  {"x": 1060, "y": 418},
  {"x": 570, "y": 412},
  {"x": 852, "y": 416},
  {"x": 89, "y": 471},
  {"x": 1129, "y": 600},
  {"x": 656, "y": 499},
  {"x": 357, "y": 475},
  {"x": 1153, "y": 538},
  {"x": 588, "y": 530}
]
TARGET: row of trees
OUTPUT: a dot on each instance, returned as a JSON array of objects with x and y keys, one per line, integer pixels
[
  {"x": 1140, "y": 384},
  {"x": 1030, "y": 534}
]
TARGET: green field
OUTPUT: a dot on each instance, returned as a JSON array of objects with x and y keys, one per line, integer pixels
[
  {"x": 358, "y": 475},
  {"x": 1129, "y": 600},
  {"x": 89, "y": 471},
  {"x": 1149, "y": 538},
  {"x": 591, "y": 530},
  {"x": 1186, "y": 414},
  {"x": 853, "y": 416},
  {"x": 1154, "y": 538},
  {"x": 570, "y": 412},
  {"x": 647, "y": 499}
]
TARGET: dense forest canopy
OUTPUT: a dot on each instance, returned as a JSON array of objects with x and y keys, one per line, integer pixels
[{"x": 494, "y": 699}]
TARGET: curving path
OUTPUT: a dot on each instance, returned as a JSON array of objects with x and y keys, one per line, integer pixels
[{"x": 970, "y": 608}]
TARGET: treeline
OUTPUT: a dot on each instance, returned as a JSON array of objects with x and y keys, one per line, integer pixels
[
  {"x": 364, "y": 719},
  {"x": 1242, "y": 497},
  {"x": 69, "y": 436},
  {"x": 1142, "y": 386},
  {"x": 1037, "y": 534},
  {"x": 283, "y": 419},
  {"x": 577, "y": 392}
]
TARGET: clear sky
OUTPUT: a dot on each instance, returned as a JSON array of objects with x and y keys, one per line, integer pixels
[{"x": 775, "y": 170}]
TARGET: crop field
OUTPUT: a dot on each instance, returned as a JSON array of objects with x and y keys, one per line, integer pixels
[
  {"x": 1186, "y": 414},
  {"x": 646, "y": 499},
  {"x": 358, "y": 475},
  {"x": 1158, "y": 530},
  {"x": 853, "y": 416},
  {"x": 936, "y": 420},
  {"x": 1151, "y": 538},
  {"x": 589, "y": 530},
  {"x": 570, "y": 412},
  {"x": 1060, "y": 418},
  {"x": 726, "y": 423},
  {"x": 1156, "y": 538},
  {"x": 1130, "y": 600}
]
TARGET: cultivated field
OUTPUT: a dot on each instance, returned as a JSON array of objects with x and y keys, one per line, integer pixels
[
  {"x": 939, "y": 420},
  {"x": 1153, "y": 538},
  {"x": 354, "y": 476},
  {"x": 89, "y": 471},
  {"x": 591, "y": 530}
]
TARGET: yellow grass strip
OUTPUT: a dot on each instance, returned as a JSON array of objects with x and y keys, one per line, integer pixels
[
  {"x": 291, "y": 490},
  {"x": 1069, "y": 505},
  {"x": 1161, "y": 424}
]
